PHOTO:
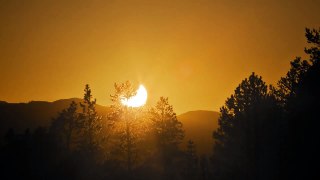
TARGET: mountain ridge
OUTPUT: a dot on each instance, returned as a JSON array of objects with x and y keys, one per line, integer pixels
[{"x": 198, "y": 124}]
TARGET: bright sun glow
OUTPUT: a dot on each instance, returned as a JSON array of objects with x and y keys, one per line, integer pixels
[{"x": 138, "y": 100}]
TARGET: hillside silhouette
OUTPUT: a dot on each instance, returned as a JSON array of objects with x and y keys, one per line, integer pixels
[
  {"x": 198, "y": 126},
  {"x": 33, "y": 114}
]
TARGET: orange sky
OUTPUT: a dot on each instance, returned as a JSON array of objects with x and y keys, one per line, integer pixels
[{"x": 193, "y": 51}]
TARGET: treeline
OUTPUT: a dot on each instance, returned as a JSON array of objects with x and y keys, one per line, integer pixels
[
  {"x": 271, "y": 132},
  {"x": 265, "y": 132},
  {"x": 125, "y": 143}
]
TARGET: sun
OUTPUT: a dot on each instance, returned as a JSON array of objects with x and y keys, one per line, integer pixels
[{"x": 138, "y": 100}]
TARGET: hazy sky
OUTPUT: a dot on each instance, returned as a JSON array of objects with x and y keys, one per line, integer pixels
[{"x": 194, "y": 52}]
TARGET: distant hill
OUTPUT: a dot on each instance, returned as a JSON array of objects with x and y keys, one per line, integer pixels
[
  {"x": 199, "y": 126},
  {"x": 21, "y": 116}
]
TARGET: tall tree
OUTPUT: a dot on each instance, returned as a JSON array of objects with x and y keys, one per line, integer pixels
[
  {"x": 248, "y": 124},
  {"x": 299, "y": 94},
  {"x": 91, "y": 123},
  {"x": 288, "y": 86},
  {"x": 127, "y": 122},
  {"x": 191, "y": 170},
  {"x": 66, "y": 126},
  {"x": 168, "y": 131}
]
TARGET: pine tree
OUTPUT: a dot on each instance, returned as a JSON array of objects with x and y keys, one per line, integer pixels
[
  {"x": 168, "y": 131},
  {"x": 91, "y": 123},
  {"x": 191, "y": 165},
  {"x": 245, "y": 142},
  {"x": 301, "y": 106},
  {"x": 66, "y": 126},
  {"x": 126, "y": 121}
]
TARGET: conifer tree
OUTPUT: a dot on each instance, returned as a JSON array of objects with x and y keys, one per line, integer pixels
[
  {"x": 91, "y": 123},
  {"x": 169, "y": 133},
  {"x": 66, "y": 126},
  {"x": 246, "y": 139}
]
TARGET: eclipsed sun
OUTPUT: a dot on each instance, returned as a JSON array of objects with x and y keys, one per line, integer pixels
[{"x": 137, "y": 100}]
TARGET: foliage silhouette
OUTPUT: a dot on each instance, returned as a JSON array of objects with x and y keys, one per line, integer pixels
[
  {"x": 301, "y": 115},
  {"x": 245, "y": 142},
  {"x": 128, "y": 125},
  {"x": 264, "y": 133},
  {"x": 191, "y": 166},
  {"x": 66, "y": 127},
  {"x": 91, "y": 123},
  {"x": 267, "y": 134},
  {"x": 169, "y": 134}
]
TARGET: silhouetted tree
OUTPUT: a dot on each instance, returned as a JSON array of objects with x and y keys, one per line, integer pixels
[
  {"x": 191, "y": 171},
  {"x": 298, "y": 92},
  {"x": 127, "y": 121},
  {"x": 169, "y": 134},
  {"x": 66, "y": 126},
  {"x": 91, "y": 123},
  {"x": 287, "y": 86},
  {"x": 245, "y": 141}
]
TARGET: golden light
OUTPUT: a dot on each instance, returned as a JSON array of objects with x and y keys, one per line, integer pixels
[{"x": 138, "y": 100}]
